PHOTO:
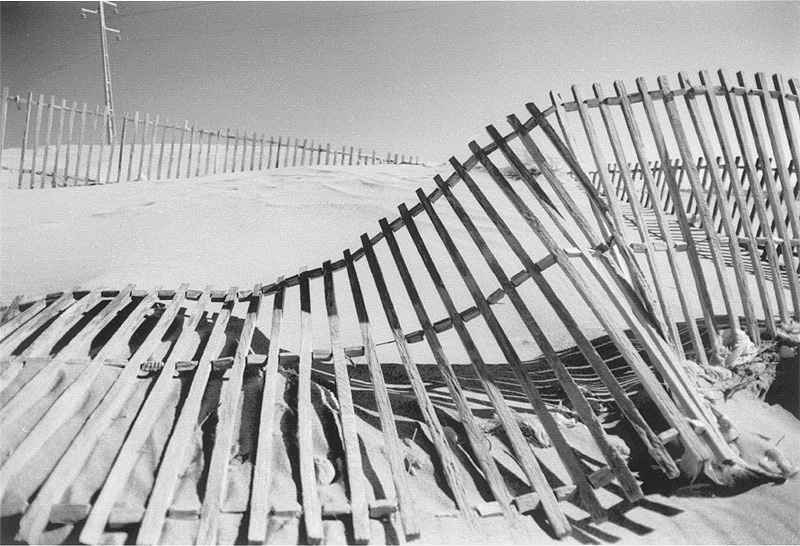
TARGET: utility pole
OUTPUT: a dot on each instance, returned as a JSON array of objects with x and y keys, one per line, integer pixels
[{"x": 110, "y": 127}]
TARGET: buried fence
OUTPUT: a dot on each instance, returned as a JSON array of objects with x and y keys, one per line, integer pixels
[
  {"x": 65, "y": 145},
  {"x": 573, "y": 247}
]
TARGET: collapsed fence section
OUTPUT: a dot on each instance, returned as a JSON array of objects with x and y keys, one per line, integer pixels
[{"x": 67, "y": 145}]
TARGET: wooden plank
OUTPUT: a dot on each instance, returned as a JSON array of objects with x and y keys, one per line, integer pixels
[
  {"x": 134, "y": 132},
  {"x": 216, "y": 151},
  {"x": 708, "y": 224},
  {"x": 628, "y": 409},
  {"x": 69, "y": 466},
  {"x": 668, "y": 409},
  {"x": 3, "y": 117},
  {"x": 392, "y": 447},
  {"x": 174, "y": 128},
  {"x": 67, "y": 158},
  {"x": 208, "y": 152},
  {"x": 74, "y": 396},
  {"x": 173, "y": 461},
  {"x": 485, "y": 461},
  {"x": 312, "y": 510},
  {"x": 758, "y": 199},
  {"x": 49, "y": 131},
  {"x": 294, "y": 157},
  {"x": 722, "y": 202},
  {"x": 261, "y": 152},
  {"x": 522, "y": 450},
  {"x": 148, "y": 415},
  {"x": 142, "y": 144},
  {"x": 244, "y": 150},
  {"x": 440, "y": 442},
  {"x": 12, "y": 310},
  {"x": 228, "y": 414},
  {"x": 262, "y": 467},
  {"x": 201, "y": 132},
  {"x": 24, "y": 146},
  {"x": 101, "y": 140},
  {"x": 634, "y": 201},
  {"x": 789, "y": 199},
  {"x": 355, "y": 473}
]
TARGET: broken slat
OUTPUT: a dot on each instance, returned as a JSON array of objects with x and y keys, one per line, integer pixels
[
  {"x": 227, "y": 412},
  {"x": 312, "y": 510},
  {"x": 391, "y": 441},
  {"x": 175, "y": 454},
  {"x": 69, "y": 466},
  {"x": 262, "y": 467},
  {"x": 519, "y": 444},
  {"x": 446, "y": 456},
  {"x": 347, "y": 416},
  {"x": 147, "y": 417},
  {"x": 485, "y": 460}
]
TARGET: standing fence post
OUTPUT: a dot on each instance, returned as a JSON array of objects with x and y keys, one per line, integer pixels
[
  {"x": 208, "y": 151},
  {"x": 161, "y": 148},
  {"x": 303, "y": 154},
  {"x": 191, "y": 149},
  {"x": 152, "y": 146},
  {"x": 63, "y": 108},
  {"x": 68, "y": 152},
  {"x": 200, "y": 150},
  {"x": 121, "y": 146},
  {"x": 327, "y": 153},
  {"x": 133, "y": 144},
  {"x": 39, "y": 107},
  {"x": 294, "y": 155},
  {"x": 216, "y": 150},
  {"x": 103, "y": 134},
  {"x": 91, "y": 145},
  {"x": 227, "y": 147},
  {"x": 260, "y": 152},
  {"x": 180, "y": 148},
  {"x": 142, "y": 145},
  {"x": 235, "y": 149},
  {"x": 278, "y": 154},
  {"x": 111, "y": 147},
  {"x": 3, "y": 115},
  {"x": 80, "y": 145},
  {"x": 47, "y": 140},
  {"x": 269, "y": 154}
]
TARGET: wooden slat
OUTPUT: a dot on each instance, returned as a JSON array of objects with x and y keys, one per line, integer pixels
[
  {"x": 262, "y": 467},
  {"x": 758, "y": 200},
  {"x": 184, "y": 129},
  {"x": 12, "y": 310},
  {"x": 446, "y": 456},
  {"x": 23, "y": 317},
  {"x": 69, "y": 466},
  {"x": 228, "y": 414},
  {"x": 39, "y": 108},
  {"x": 161, "y": 148},
  {"x": 91, "y": 146},
  {"x": 181, "y": 438},
  {"x": 153, "y": 138},
  {"x": 57, "y": 156},
  {"x": 122, "y": 146},
  {"x": 484, "y": 458},
  {"x": 518, "y": 442},
  {"x": 73, "y": 397},
  {"x": 691, "y": 442},
  {"x": 312, "y": 509},
  {"x": 174, "y": 128},
  {"x": 48, "y": 134},
  {"x": 347, "y": 416},
  {"x": 24, "y": 147},
  {"x": 146, "y": 419},
  {"x": 722, "y": 202},
  {"x": 408, "y": 512},
  {"x": 191, "y": 151},
  {"x": 3, "y": 117},
  {"x": 791, "y": 132}
]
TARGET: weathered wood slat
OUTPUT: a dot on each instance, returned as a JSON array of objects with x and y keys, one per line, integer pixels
[
  {"x": 446, "y": 456},
  {"x": 227, "y": 414},
  {"x": 12, "y": 310},
  {"x": 177, "y": 448},
  {"x": 39, "y": 108},
  {"x": 262, "y": 468},
  {"x": 69, "y": 466},
  {"x": 11, "y": 342},
  {"x": 347, "y": 416},
  {"x": 312, "y": 509},
  {"x": 22, "y": 318}
]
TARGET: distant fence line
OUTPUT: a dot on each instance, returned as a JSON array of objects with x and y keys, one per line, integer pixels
[{"x": 68, "y": 146}]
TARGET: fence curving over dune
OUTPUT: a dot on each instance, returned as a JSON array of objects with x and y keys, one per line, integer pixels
[{"x": 129, "y": 370}]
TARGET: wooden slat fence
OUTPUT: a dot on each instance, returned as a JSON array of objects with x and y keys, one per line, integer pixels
[
  {"x": 158, "y": 341},
  {"x": 65, "y": 146}
]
